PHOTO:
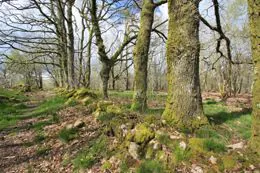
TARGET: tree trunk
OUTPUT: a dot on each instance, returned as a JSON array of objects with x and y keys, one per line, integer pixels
[
  {"x": 255, "y": 41},
  {"x": 184, "y": 105},
  {"x": 40, "y": 80},
  {"x": 126, "y": 72},
  {"x": 104, "y": 73},
  {"x": 88, "y": 63},
  {"x": 141, "y": 56},
  {"x": 113, "y": 78},
  {"x": 72, "y": 77},
  {"x": 81, "y": 45}
]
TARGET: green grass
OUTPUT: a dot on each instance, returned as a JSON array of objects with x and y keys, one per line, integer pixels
[
  {"x": 10, "y": 107},
  {"x": 67, "y": 135},
  {"x": 12, "y": 112},
  {"x": 150, "y": 166},
  {"x": 12, "y": 94},
  {"x": 91, "y": 154},
  {"x": 214, "y": 145},
  {"x": 180, "y": 154},
  {"x": 223, "y": 120}
]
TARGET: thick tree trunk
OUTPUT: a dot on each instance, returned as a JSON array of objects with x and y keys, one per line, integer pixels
[
  {"x": 62, "y": 40},
  {"x": 141, "y": 56},
  {"x": 254, "y": 10},
  {"x": 104, "y": 74},
  {"x": 184, "y": 105}
]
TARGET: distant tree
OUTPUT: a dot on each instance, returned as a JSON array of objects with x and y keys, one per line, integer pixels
[{"x": 107, "y": 61}]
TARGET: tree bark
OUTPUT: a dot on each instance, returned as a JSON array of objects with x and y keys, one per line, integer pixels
[
  {"x": 254, "y": 18},
  {"x": 104, "y": 73},
  {"x": 141, "y": 56},
  {"x": 184, "y": 105},
  {"x": 88, "y": 62},
  {"x": 72, "y": 77}
]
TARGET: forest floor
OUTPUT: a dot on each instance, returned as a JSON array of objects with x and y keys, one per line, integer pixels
[{"x": 58, "y": 131}]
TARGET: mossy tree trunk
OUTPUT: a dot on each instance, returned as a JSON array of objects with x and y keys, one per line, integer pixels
[
  {"x": 72, "y": 76},
  {"x": 141, "y": 52},
  {"x": 184, "y": 105},
  {"x": 254, "y": 10}
]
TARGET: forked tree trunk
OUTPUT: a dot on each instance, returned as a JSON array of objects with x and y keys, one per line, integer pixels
[
  {"x": 255, "y": 41},
  {"x": 141, "y": 56},
  {"x": 184, "y": 105}
]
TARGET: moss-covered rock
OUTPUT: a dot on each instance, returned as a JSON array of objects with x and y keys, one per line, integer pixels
[
  {"x": 102, "y": 105},
  {"x": 70, "y": 93},
  {"x": 142, "y": 134},
  {"x": 113, "y": 109},
  {"x": 71, "y": 101},
  {"x": 84, "y": 92},
  {"x": 196, "y": 145},
  {"x": 102, "y": 115},
  {"x": 87, "y": 101}
]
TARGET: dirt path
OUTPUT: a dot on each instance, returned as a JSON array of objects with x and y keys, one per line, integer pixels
[{"x": 24, "y": 148}]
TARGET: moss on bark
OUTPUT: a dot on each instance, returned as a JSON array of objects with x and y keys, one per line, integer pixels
[
  {"x": 254, "y": 10},
  {"x": 184, "y": 105},
  {"x": 141, "y": 56}
]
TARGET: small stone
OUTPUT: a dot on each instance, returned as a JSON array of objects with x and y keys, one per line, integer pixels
[
  {"x": 123, "y": 127},
  {"x": 157, "y": 146},
  {"x": 239, "y": 145},
  {"x": 252, "y": 167},
  {"x": 183, "y": 145},
  {"x": 69, "y": 126},
  {"x": 196, "y": 169},
  {"x": 213, "y": 160},
  {"x": 173, "y": 137},
  {"x": 134, "y": 150},
  {"x": 79, "y": 124},
  {"x": 164, "y": 121}
]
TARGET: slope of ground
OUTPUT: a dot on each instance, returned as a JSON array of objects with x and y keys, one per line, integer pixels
[{"x": 70, "y": 132}]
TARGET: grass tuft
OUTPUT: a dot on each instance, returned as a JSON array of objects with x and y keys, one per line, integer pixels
[{"x": 67, "y": 135}]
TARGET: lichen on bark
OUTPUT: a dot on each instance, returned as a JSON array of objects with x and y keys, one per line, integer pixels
[{"x": 184, "y": 104}]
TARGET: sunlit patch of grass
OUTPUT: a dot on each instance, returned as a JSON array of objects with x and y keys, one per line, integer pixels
[
  {"x": 228, "y": 123},
  {"x": 50, "y": 106},
  {"x": 10, "y": 113}
]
